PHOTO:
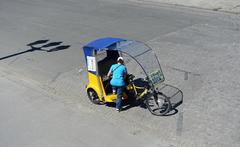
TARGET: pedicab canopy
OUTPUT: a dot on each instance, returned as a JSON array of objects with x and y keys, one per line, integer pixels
[{"x": 138, "y": 51}]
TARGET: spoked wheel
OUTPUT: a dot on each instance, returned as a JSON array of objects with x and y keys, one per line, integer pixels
[
  {"x": 92, "y": 95},
  {"x": 158, "y": 104}
]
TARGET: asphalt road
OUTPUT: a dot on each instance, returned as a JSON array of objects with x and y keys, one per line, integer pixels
[{"x": 198, "y": 50}]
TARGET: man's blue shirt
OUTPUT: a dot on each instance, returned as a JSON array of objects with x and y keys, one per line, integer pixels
[{"x": 118, "y": 71}]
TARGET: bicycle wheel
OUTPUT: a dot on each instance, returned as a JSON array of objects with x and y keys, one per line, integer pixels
[
  {"x": 93, "y": 97},
  {"x": 158, "y": 104}
]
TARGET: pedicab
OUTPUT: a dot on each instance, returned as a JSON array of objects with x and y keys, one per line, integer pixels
[{"x": 141, "y": 61}]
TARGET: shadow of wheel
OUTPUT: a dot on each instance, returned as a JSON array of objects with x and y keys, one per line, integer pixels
[
  {"x": 158, "y": 104},
  {"x": 93, "y": 97}
]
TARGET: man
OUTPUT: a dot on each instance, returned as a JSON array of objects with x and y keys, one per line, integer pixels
[{"x": 119, "y": 73}]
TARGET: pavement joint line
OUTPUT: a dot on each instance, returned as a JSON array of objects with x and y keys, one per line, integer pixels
[
  {"x": 179, "y": 123},
  {"x": 184, "y": 71}
]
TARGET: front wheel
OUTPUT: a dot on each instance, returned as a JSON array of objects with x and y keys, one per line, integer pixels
[{"x": 158, "y": 104}]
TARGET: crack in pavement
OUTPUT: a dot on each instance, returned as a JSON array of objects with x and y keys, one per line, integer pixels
[{"x": 56, "y": 77}]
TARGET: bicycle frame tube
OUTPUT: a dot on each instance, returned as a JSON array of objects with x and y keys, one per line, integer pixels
[{"x": 135, "y": 90}]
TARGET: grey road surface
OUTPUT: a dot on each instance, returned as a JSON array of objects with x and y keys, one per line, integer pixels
[
  {"x": 43, "y": 102},
  {"x": 30, "y": 117}
]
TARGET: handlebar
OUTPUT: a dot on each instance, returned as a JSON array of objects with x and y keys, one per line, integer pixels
[{"x": 130, "y": 77}]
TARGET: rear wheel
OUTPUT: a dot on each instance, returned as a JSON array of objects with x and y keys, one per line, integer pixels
[
  {"x": 93, "y": 97},
  {"x": 158, "y": 104}
]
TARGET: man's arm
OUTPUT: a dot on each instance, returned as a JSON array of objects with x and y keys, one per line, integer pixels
[
  {"x": 109, "y": 73},
  {"x": 125, "y": 73}
]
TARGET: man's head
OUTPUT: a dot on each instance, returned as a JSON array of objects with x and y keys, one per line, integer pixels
[{"x": 120, "y": 60}]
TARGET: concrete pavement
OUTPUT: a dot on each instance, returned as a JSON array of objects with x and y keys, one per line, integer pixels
[
  {"x": 32, "y": 117},
  {"x": 198, "y": 51}
]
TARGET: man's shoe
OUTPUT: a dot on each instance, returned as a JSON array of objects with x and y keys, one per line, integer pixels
[{"x": 118, "y": 109}]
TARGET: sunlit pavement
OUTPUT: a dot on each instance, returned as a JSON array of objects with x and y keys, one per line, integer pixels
[{"x": 43, "y": 102}]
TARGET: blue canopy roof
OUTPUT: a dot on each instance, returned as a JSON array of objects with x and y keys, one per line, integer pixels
[{"x": 102, "y": 43}]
